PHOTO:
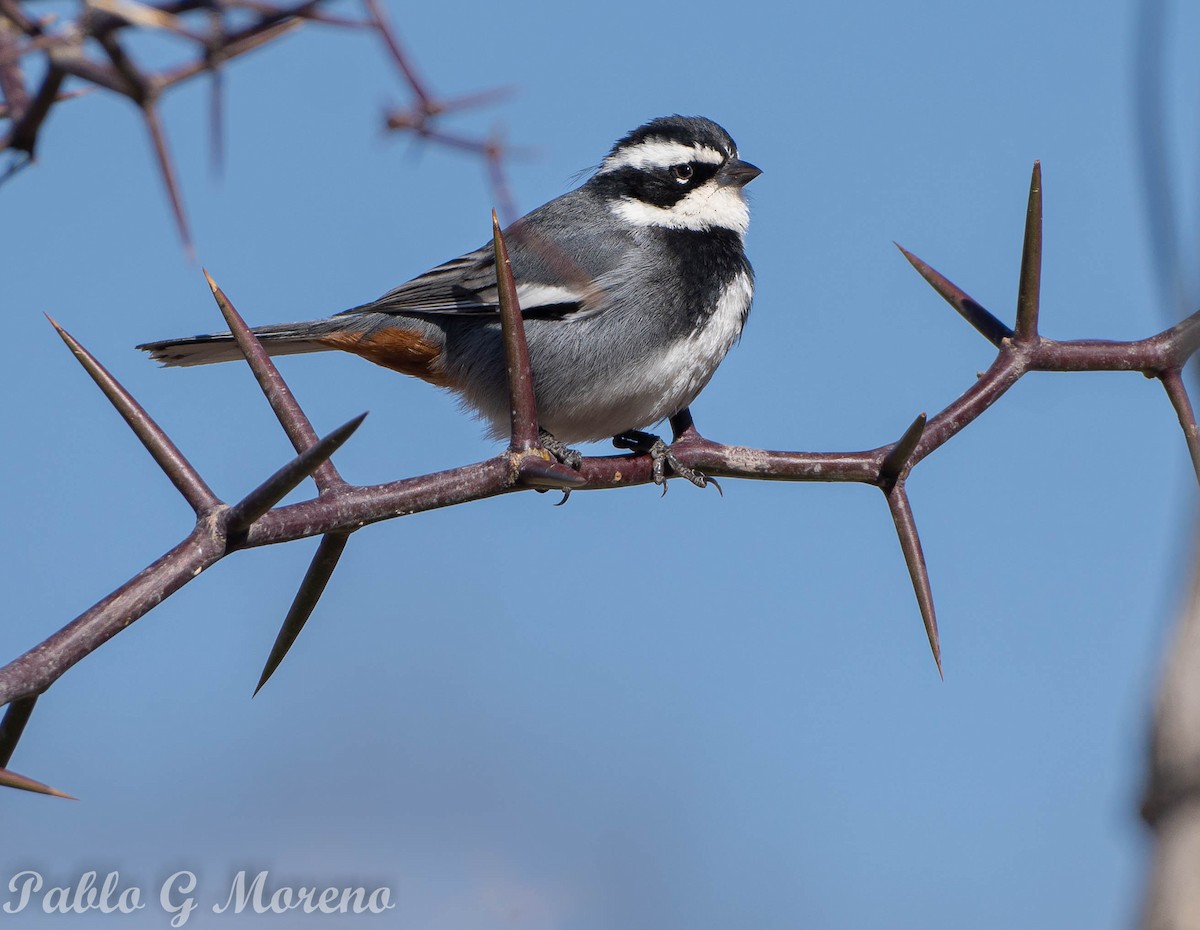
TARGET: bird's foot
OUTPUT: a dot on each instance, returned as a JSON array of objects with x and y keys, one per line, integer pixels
[
  {"x": 662, "y": 458},
  {"x": 564, "y": 453},
  {"x": 560, "y": 450}
]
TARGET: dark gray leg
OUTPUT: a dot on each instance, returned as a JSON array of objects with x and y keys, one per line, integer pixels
[
  {"x": 560, "y": 450},
  {"x": 661, "y": 454}
]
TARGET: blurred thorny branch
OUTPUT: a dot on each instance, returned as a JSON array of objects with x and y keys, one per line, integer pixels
[
  {"x": 339, "y": 508},
  {"x": 1171, "y": 795},
  {"x": 45, "y": 62}
]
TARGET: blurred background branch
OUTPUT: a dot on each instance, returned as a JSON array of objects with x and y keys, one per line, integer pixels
[
  {"x": 39, "y": 55},
  {"x": 1171, "y": 802}
]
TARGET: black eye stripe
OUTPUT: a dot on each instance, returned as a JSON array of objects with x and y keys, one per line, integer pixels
[
  {"x": 701, "y": 172},
  {"x": 657, "y": 185}
]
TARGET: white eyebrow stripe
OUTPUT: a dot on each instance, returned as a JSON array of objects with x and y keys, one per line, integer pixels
[{"x": 660, "y": 153}]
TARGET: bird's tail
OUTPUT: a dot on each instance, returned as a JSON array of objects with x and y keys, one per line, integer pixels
[{"x": 285, "y": 339}]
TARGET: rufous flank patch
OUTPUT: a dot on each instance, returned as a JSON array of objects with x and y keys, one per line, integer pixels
[{"x": 396, "y": 348}]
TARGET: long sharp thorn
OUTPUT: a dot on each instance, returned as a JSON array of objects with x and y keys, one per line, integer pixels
[
  {"x": 516, "y": 351},
  {"x": 1172, "y": 382},
  {"x": 914, "y": 558},
  {"x": 968, "y": 308},
  {"x": 216, "y": 120},
  {"x": 538, "y": 473},
  {"x": 311, "y": 588},
  {"x": 13, "y": 725},
  {"x": 164, "y": 452},
  {"x": 166, "y": 168},
  {"x": 287, "y": 409},
  {"x": 897, "y": 459},
  {"x": 273, "y": 490},
  {"x": 10, "y": 779},
  {"x": 1029, "y": 289}
]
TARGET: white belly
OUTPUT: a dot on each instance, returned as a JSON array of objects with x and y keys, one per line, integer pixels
[{"x": 661, "y": 388}]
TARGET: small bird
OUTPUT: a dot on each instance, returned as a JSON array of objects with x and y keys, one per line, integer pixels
[{"x": 633, "y": 287}]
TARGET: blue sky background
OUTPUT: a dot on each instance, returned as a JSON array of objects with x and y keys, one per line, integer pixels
[{"x": 691, "y": 712}]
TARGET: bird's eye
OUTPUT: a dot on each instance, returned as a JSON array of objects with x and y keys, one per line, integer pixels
[{"x": 682, "y": 173}]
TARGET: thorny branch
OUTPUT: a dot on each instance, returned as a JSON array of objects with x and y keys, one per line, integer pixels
[
  {"x": 340, "y": 508},
  {"x": 63, "y": 53}
]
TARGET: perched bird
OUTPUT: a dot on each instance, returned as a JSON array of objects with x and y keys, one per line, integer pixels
[{"x": 632, "y": 287}]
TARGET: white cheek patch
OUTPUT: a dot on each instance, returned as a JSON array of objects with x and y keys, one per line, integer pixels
[
  {"x": 709, "y": 206},
  {"x": 657, "y": 153}
]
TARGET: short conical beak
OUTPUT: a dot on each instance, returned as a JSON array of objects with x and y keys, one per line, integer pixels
[{"x": 738, "y": 172}]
